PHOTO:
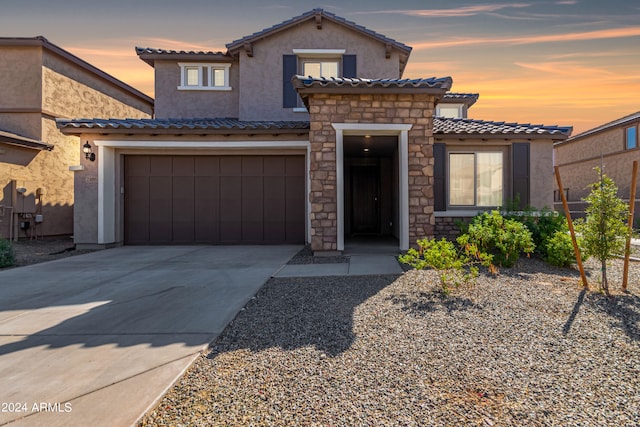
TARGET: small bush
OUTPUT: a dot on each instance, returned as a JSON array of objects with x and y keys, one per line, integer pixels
[
  {"x": 454, "y": 265},
  {"x": 7, "y": 258},
  {"x": 543, "y": 224},
  {"x": 559, "y": 250},
  {"x": 501, "y": 237}
]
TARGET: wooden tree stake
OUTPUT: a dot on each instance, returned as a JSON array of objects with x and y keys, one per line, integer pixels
[{"x": 576, "y": 249}]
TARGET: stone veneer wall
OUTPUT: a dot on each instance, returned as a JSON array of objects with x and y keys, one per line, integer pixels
[
  {"x": 325, "y": 109},
  {"x": 447, "y": 227}
]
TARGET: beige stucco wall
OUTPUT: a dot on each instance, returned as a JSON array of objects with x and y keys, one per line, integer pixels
[
  {"x": 578, "y": 158},
  {"x": 261, "y": 75},
  {"x": 48, "y": 93},
  {"x": 20, "y": 90},
  {"x": 174, "y": 103}
]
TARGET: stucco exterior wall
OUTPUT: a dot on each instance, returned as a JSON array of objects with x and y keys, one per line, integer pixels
[
  {"x": 47, "y": 93},
  {"x": 21, "y": 90},
  {"x": 577, "y": 159},
  {"x": 174, "y": 103},
  {"x": 66, "y": 83},
  {"x": 261, "y": 75}
]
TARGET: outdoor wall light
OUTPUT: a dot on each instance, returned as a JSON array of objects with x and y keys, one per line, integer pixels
[{"x": 88, "y": 152}]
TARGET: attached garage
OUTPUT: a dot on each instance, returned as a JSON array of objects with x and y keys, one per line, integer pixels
[{"x": 214, "y": 199}]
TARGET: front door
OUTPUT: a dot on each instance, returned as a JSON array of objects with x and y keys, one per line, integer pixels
[{"x": 365, "y": 197}]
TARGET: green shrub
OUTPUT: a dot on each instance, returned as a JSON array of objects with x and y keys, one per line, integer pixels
[
  {"x": 542, "y": 223},
  {"x": 7, "y": 258},
  {"x": 559, "y": 250},
  {"x": 501, "y": 237},
  {"x": 454, "y": 265}
]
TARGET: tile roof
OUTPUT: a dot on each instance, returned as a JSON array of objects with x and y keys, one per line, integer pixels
[
  {"x": 22, "y": 141},
  {"x": 181, "y": 124},
  {"x": 465, "y": 127},
  {"x": 308, "y": 15},
  {"x": 429, "y": 83},
  {"x": 456, "y": 95},
  {"x": 148, "y": 54}
]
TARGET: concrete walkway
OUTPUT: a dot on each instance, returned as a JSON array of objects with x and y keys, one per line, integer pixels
[
  {"x": 366, "y": 257},
  {"x": 96, "y": 339},
  {"x": 358, "y": 265}
]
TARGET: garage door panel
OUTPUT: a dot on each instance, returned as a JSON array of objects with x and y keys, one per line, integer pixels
[
  {"x": 137, "y": 207},
  {"x": 160, "y": 207},
  {"x": 207, "y": 209},
  {"x": 183, "y": 165},
  {"x": 231, "y": 166},
  {"x": 183, "y": 208},
  {"x": 230, "y": 208},
  {"x": 214, "y": 199},
  {"x": 274, "y": 166},
  {"x": 160, "y": 166},
  {"x": 207, "y": 166}
]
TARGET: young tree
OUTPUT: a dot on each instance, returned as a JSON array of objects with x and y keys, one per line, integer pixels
[{"x": 604, "y": 230}]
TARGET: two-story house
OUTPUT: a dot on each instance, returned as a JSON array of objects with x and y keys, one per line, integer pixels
[
  {"x": 302, "y": 132},
  {"x": 39, "y": 82},
  {"x": 613, "y": 147}
]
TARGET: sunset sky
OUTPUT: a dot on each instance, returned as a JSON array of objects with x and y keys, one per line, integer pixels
[{"x": 566, "y": 62}]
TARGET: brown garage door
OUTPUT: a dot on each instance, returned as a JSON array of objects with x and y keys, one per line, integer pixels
[{"x": 214, "y": 199}]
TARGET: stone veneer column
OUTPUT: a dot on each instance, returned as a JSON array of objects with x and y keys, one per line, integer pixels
[{"x": 327, "y": 108}]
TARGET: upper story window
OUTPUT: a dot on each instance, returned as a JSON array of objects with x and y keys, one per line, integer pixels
[
  {"x": 453, "y": 111},
  {"x": 319, "y": 68},
  {"x": 326, "y": 63},
  {"x": 631, "y": 138},
  {"x": 206, "y": 76}
]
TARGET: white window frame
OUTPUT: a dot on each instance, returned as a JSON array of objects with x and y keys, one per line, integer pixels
[
  {"x": 208, "y": 68},
  {"x": 317, "y": 55},
  {"x": 475, "y": 178},
  {"x": 458, "y": 107}
]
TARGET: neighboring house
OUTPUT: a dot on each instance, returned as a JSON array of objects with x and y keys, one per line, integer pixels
[
  {"x": 40, "y": 82},
  {"x": 302, "y": 132},
  {"x": 613, "y": 146}
]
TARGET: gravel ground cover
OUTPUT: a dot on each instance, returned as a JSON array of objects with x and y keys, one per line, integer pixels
[{"x": 528, "y": 347}]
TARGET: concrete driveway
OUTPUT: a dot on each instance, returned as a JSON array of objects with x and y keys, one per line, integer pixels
[{"x": 96, "y": 339}]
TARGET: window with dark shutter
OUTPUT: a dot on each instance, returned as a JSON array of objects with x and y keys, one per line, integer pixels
[
  {"x": 349, "y": 66},
  {"x": 289, "y": 69},
  {"x": 520, "y": 168},
  {"x": 439, "y": 175}
]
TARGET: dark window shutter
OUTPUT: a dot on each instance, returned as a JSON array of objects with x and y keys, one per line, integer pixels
[
  {"x": 349, "y": 67},
  {"x": 439, "y": 178},
  {"x": 289, "y": 69},
  {"x": 520, "y": 166}
]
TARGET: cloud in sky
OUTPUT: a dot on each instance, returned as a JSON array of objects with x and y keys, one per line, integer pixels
[
  {"x": 460, "y": 11},
  {"x": 567, "y": 2},
  {"x": 610, "y": 33}
]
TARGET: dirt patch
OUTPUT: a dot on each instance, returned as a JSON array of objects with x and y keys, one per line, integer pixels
[{"x": 28, "y": 252}]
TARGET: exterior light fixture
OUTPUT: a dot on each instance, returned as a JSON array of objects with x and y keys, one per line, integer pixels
[
  {"x": 366, "y": 150},
  {"x": 88, "y": 152}
]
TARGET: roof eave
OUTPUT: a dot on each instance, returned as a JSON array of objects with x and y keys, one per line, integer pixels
[
  {"x": 72, "y": 130},
  {"x": 19, "y": 141},
  {"x": 501, "y": 136},
  {"x": 150, "y": 58},
  {"x": 239, "y": 44}
]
